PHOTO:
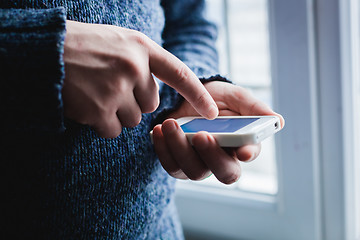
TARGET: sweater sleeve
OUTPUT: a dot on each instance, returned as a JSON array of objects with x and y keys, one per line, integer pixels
[
  {"x": 32, "y": 70},
  {"x": 190, "y": 36}
]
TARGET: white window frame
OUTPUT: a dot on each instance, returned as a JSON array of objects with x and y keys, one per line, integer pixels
[
  {"x": 350, "y": 65},
  {"x": 310, "y": 56}
]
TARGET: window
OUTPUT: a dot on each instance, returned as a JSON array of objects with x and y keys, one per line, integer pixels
[
  {"x": 351, "y": 66},
  {"x": 307, "y": 66},
  {"x": 244, "y": 54}
]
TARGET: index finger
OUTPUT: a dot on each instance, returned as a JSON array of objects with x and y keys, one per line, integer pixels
[{"x": 176, "y": 74}]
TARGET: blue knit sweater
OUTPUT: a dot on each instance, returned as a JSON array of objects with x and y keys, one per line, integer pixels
[{"x": 60, "y": 180}]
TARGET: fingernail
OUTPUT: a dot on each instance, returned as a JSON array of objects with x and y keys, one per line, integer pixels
[{"x": 212, "y": 112}]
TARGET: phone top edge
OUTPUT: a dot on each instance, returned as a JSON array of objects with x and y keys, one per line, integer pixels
[{"x": 237, "y": 116}]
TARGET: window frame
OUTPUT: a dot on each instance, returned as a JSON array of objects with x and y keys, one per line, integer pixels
[
  {"x": 315, "y": 197},
  {"x": 350, "y": 62}
]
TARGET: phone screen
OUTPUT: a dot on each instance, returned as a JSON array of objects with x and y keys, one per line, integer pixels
[{"x": 227, "y": 125}]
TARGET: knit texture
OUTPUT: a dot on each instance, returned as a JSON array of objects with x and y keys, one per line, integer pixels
[
  {"x": 62, "y": 181},
  {"x": 30, "y": 49}
]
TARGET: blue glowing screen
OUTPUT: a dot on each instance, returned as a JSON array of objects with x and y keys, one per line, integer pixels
[{"x": 227, "y": 125}]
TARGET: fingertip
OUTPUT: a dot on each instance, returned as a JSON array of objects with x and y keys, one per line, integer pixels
[
  {"x": 204, "y": 104},
  {"x": 232, "y": 178},
  {"x": 157, "y": 131},
  {"x": 170, "y": 126},
  {"x": 168, "y": 120},
  {"x": 248, "y": 153},
  {"x": 282, "y": 121},
  {"x": 213, "y": 111},
  {"x": 201, "y": 140}
]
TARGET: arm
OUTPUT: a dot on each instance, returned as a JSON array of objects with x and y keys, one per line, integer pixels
[{"x": 31, "y": 69}]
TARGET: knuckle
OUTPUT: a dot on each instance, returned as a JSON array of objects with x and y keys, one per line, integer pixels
[
  {"x": 96, "y": 117},
  {"x": 137, "y": 71},
  {"x": 107, "y": 129},
  {"x": 130, "y": 66},
  {"x": 182, "y": 73},
  {"x": 132, "y": 121},
  {"x": 151, "y": 106},
  {"x": 137, "y": 120},
  {"x": 140, "y": 38},
  {"x": 102, "y": 113},
  {"x": 106, "y": 132}
]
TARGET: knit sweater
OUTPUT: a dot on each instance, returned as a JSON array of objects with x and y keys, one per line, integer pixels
[{"x": 60, "y": 180}]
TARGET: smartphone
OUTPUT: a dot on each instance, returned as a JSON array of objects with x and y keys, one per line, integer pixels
[{"x": 232, "y": 131}]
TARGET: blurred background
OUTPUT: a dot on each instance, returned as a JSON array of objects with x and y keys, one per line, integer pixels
[{"x": 302, "y": 58}]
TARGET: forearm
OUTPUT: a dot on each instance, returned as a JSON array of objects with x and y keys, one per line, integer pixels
[{"x": 32, "y": 71}]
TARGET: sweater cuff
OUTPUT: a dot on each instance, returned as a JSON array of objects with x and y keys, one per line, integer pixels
[
  {"x": 215, "y": 78},
  {"x": 31, "y": 49}
]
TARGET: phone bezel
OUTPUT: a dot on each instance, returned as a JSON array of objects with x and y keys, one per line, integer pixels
[{"x": 261, "y": 122}]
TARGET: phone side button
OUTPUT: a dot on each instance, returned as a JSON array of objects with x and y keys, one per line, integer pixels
[{"x": 260, "y": 135}]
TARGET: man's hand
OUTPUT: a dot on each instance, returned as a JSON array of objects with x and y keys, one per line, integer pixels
[
  {"x": 181, "y": 160},
  {"x": 108, "y": 77}
]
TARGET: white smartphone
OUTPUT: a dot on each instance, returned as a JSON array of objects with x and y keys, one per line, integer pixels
[{"x": 232, "y": 131}]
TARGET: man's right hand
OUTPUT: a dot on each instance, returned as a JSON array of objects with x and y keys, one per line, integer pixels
[{"x": 108, "y": 77}]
